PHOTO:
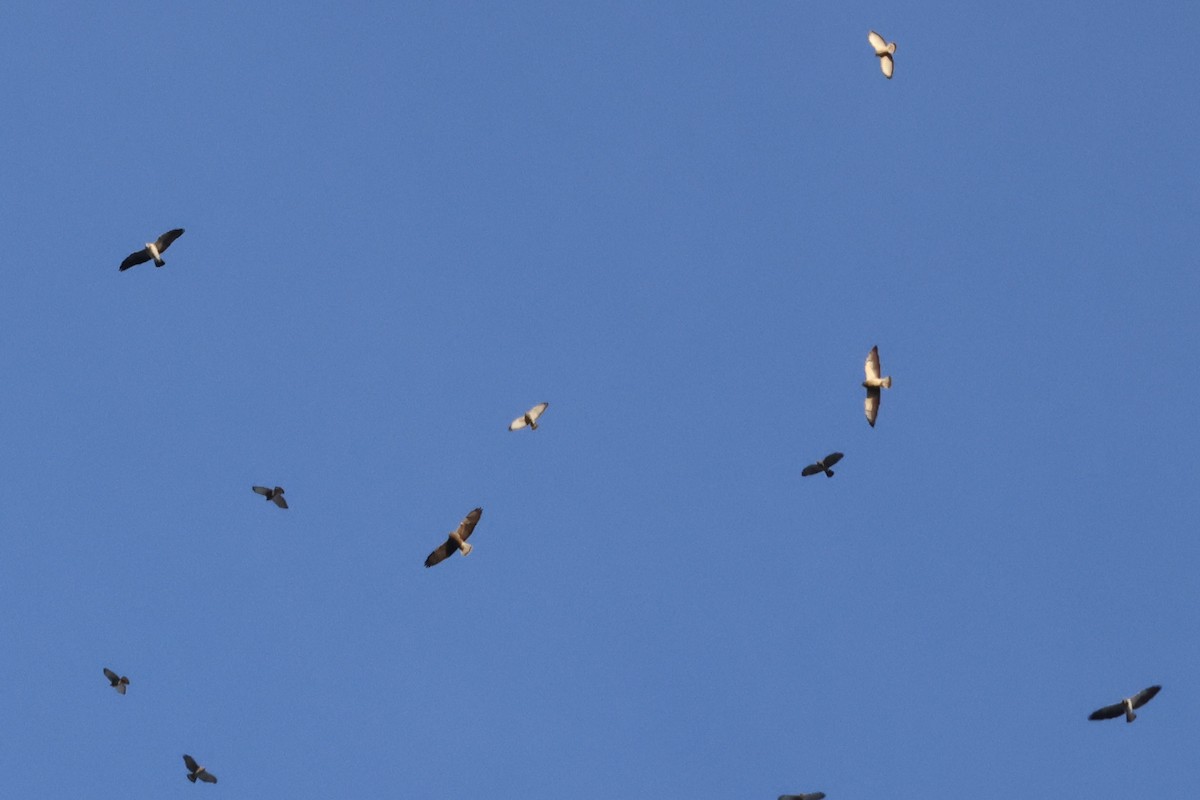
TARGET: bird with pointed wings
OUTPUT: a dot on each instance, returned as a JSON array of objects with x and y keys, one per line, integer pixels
[
  {"x": 884, "y": 50},
  {"x": 273, "y": 495},
  {"x": 872, "y": 384},
  {"x": 457, "y": 540},
  {"x": 197, "y": 772},
  {"x": 529, "y": 418},
  {"x": 822, "y": 466},
  {"x": 118, "y": 682},
  {"x": 152, "y": 250},
  {"x": 1126, "y": 706},
  {"x": 809, "y": 796}
]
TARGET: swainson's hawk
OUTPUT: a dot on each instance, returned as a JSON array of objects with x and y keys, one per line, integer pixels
[
  {"x": 884, "y": 49},
  {"x": 152, "y": 250},
  {"x": 1126, "y": 706},
  {"x": 529, "y": 418},
  {"x": 873, "y": 384},
  {"x": 273, "y": 495},
  {"x": 822, "y": 466},
  {"x": 809, "y": 796},
  {"x": 457, "y": 540},
  {"x": 195, "y": 771},
  {"x": 118, "y": 682}
]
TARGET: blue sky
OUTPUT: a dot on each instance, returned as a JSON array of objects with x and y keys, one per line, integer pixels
[{"x": 683, "y": 225}]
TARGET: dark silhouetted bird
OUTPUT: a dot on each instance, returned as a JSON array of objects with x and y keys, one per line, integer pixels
[
  {"x": 530, "y": 418},
  {"x": 457, "y": 539},
  {"x": 822, "y": 466},
  {"x": 1126, "y": 706},
  {"x": 884, "y": 49},
  {"x": 274, "y": 495},
  {"x": 809, "y": 796},
  {"x": 118, "y": 682},
  {"x": 152, "y": 250},
  {"x": 197, "y": 772},
  {"x": 873, "y": 384}
]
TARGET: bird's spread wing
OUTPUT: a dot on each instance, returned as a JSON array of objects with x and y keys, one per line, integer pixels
[
  {"x": 112, "y": 676},
  {"x": 263, "y": 490},
  {"x": 517, "y": 423},
  {"x": 121, "y": 686},
  {"x": 469, "y": 522},
  {"x": 1144, "y": 696},
  {"x": 135, "y": 258},
  {"x": 190, "y": 763},
  {"x": 811, "y": 469},
  {"x": 878, "y": 42},
  {"x": 278, "y": 498},
  {"x": 165, "y": 240},
  {"x": 871, "y": 405},
  {"x": 872, "y": 365},
  {"x": 442, "y": 553},
  {"x": 207, "y": 777},
  {"x": 809, "y": 796},
  {"x": 1108, "y": 712},
  {"x": 888, "y": 65},
  {"x": 537, "y": 410}
]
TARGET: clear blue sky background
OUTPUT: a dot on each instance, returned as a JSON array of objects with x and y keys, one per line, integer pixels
[{"x": 683, "y": 225}]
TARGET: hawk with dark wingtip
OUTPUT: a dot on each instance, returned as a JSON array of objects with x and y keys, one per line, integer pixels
[
  {"x": 457, "y": 539},
  {"x": 197, "y": 772},
  {"x": 1127, "y": 705},
  {"x": 118, "y": 682},
  {"x": 529, "y": 418},
  {"x": 822, "y": 466},
  {"x": 872, "y": 384},
  {"x": 884, "y": 50},
  {"x": 809, "y": 796},
  {"x": 273, "y": 495},
  {"x": 152, "y": 250}
]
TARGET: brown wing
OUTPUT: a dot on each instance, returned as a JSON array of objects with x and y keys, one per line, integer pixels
[
  {"x": 442, "y": 553},
  {"x": 190, "y": 763},
  {"x": 113, "y": 678},
  {"x": 165, "y": 240},
  {"x": 277, "y": 498},
  {"x": 133, "y": 259},
  {"x": 206, "y": 776},
  {"x": 872, "y": 365},
  {"x": 811, "y": 469},
  {"x": 263, "y": 490},
  {"x": 871, "y": 405},
  {"x": 468, "y": 524},
  {"x": 1108, "y": 712},
  {"x": 831, "y": 459},
  {"x": 1144, "y": 696}
]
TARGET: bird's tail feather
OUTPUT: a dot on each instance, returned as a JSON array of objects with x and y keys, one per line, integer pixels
[
  {"x": 892, "y": 48},
  {"x": 886, "y": 382},
  {"x": 466, "y": 549},
  {"x": 1129, "y": 715},
  {"x": 158, "y": 262},
  {"x": 191, "y": 777},
  {"x": 828, "y": 473},
  {"x": 533, "y": 426}
]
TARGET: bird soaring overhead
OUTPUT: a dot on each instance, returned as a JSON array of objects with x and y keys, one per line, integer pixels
[
  {"x": 274, "y": 495},
  {"x": 195, "y": 771},
  {"x": 118, "y": 682},
  {"x": 822, "y": 466},
  {"x": 530, "y": 418},
  {"x": 457, "y": 539},
  {"x": 884, "y": 49},
  {"x": 873, "y": 384},
  {"x": 1127, "y": 705},
  {"x": 152, "y": 250},
  {"x": 809, "y": 796}
]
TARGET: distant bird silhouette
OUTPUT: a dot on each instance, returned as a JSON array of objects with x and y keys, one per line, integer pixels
[
  {"x": 152, "y": 250},
  {"x": 274, "y": 495},
  {"x": 1127, "y": 705},
  {"x": 457, "y": 539},
  {"x": 884, "y": 49},
  {"x": 873, "y": 384},
  {"x": 822, "y": 466},
  {"x": 195, "y": 771},
  {"x": 809, "y": 796},
  {"x": 530, "y": 418},
  {"x": 118, "y": 682}
]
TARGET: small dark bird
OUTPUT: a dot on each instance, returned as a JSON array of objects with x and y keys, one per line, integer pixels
[
  {"x": 152, "y": 250},
  {"x": 822, "y": 466},
  {"x": 809, "y": 796},
  {"x": 530, "y": 418},
  {"x": 118, "y": 682},
  {"x": 1126, "y": 706},
  {"x": 273, "y": 495},
  {"x": 873, "y": 383},
  {"x": 457, "y": 539},
  {"x": 196, "y": 771},
  {"x": 885, "y": 50}
]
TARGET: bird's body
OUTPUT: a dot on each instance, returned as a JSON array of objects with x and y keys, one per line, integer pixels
[
  {"x": 152, "y": 251},
  {"x": 884, "y": 50},
  {"x": 822, "y": 466},
  {"x": 273, "y": 495},
  {"x": 457, "y": 540},
  {"x": 873, "y": 384},
  {"x": 529, "y": 418},
  {"x": 118, "y": 682},
  {"x": 197, "y": 772},
  {"x": 809, "y": 796},
  {"x": 1126, "y": 706}
]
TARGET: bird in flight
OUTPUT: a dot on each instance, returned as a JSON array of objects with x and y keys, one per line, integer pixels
[
  {"x": 457, "y": 540},
  {"x": 809, "y": 796},
  {"x": 822, "y": 466},
  {"x": 274, "y": 495},
  {"x": 152, "y": 250},
  {"x": 195, "y": 771},
  {"x": 884, "y": 49},
  {"x": 1126, "y": 706},
  {"x": 529, "y": 418},
  {"x": 873, "y": 384},
  {"x": 118, "y": 682}
]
